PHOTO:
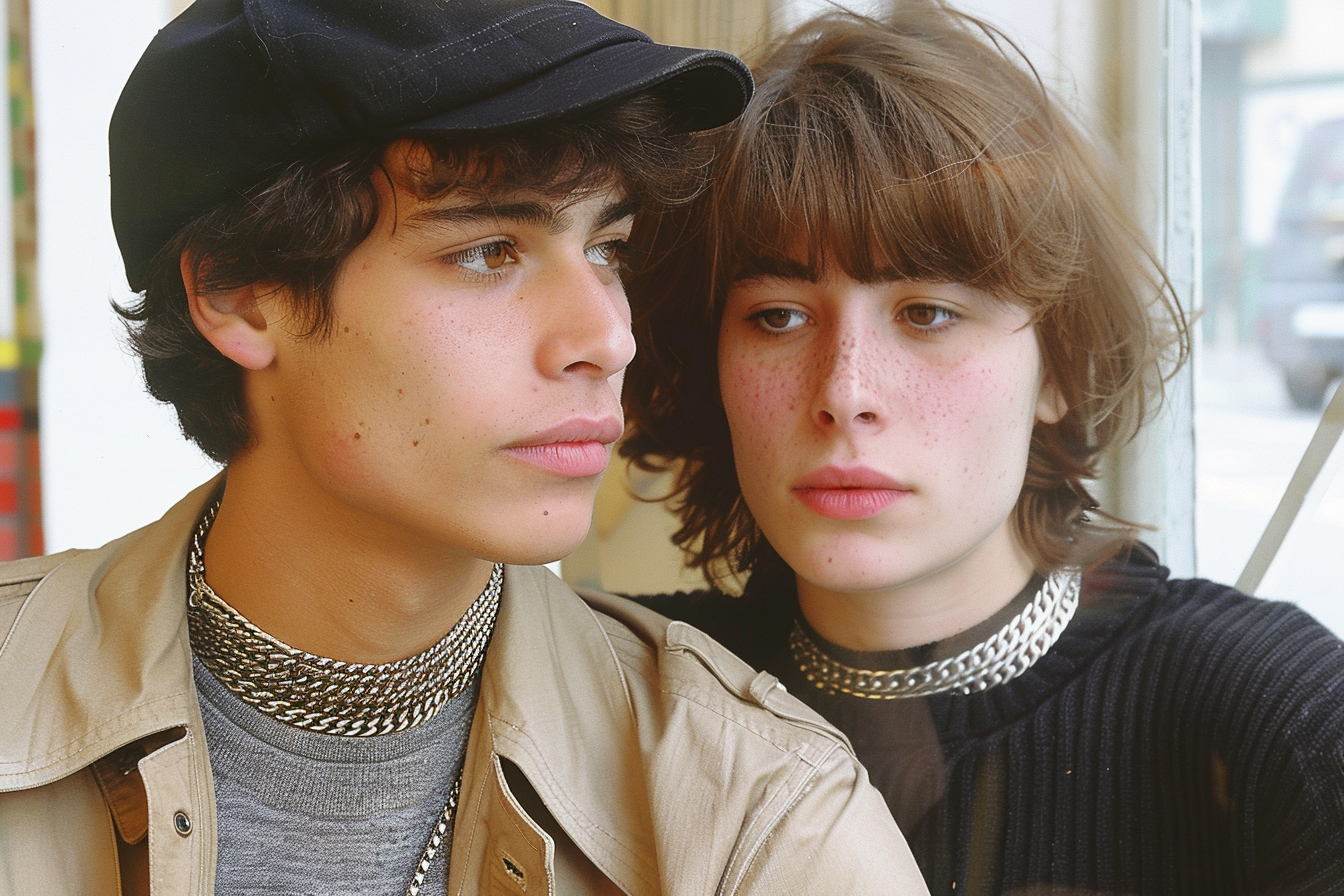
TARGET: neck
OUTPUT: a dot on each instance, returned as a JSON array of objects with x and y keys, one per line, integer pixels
[
  {"x": 325, "y": 578},
  {"x": 931, "y": 608}
]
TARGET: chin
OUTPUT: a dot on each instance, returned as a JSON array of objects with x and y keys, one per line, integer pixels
[
  {"x": 538, "y": 545},
  {"x": 848, "y": 583},
  {"x": 848, "y": 565}
]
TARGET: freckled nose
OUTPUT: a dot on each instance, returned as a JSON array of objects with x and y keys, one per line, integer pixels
[{"x": 847, "y": 392}]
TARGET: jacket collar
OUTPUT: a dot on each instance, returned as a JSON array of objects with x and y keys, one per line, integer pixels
[{"x": 99, "y": 655}]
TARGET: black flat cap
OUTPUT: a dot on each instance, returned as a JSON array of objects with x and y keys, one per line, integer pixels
[{"x": 232, "y": 90}]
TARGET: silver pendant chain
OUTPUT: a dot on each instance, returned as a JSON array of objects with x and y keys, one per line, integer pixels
[
  {"x": 435, "y": 843},
  {"x": 1002, "y": 657},
  {"x": 317, "y": 693}
]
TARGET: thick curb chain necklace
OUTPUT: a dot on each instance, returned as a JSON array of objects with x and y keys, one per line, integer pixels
[
  {"x": 318, "y": 693},
  {"x": 1002, "y": 657}
]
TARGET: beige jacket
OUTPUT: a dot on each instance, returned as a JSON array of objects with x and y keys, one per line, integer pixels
[{"x": 612, "y": 751}]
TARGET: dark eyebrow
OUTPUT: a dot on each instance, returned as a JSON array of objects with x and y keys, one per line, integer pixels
[
  {"x": 618, "y": 211},
  {"x": 538, "y": 214},
  {"x": 531, "y": 212}
]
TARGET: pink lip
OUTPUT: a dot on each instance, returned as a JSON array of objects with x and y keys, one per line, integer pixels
[
  {"x": 848, "y": 493},
  {"x": 574, "y": 448}
]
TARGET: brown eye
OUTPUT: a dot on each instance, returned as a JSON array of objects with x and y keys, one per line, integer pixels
[
  {"x": 922, "y": 315},
  {"x": 779, "y": 320},
  {"x": 496, "y": 254},
  {"x": 485, "y": 259},
  {"x": 606, "y": 254},
  {"x": 927, "y": 317}
]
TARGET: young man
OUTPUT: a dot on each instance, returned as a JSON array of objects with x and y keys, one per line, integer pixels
[{"x": 379, "y": 248}]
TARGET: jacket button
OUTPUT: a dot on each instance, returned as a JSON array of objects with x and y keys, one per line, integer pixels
[{"x": 182, "y": 824}]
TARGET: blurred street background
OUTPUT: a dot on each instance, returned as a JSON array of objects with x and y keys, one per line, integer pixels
[
  {"x": 1272, "y": 164},
  {"x": 1250, "y": 438}
]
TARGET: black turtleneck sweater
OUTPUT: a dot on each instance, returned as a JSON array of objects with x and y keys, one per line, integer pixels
[{"x": 1179, "y": 738}]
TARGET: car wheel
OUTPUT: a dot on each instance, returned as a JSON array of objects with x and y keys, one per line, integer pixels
[{"x": 1306, "y": 386}]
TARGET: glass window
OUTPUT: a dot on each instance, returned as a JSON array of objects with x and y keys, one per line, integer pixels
[{"x": 1272, "y": 82}]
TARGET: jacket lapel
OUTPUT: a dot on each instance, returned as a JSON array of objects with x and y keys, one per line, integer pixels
[{"x": 554, "y": 702}]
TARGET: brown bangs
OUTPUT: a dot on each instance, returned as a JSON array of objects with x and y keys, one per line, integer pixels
[{"x": 886, "y": 178}]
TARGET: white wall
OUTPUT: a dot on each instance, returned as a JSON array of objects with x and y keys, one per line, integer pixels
[{"x": 112, "y": 458}]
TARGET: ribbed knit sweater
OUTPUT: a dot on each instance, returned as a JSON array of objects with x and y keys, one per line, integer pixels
[{"x": 1180, "y": 737}]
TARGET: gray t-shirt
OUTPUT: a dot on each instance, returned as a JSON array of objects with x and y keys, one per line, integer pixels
[{"x": 301, "y": 812}]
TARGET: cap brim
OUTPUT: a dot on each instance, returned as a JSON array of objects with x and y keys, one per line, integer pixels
[{"x": 705, "y": 89}]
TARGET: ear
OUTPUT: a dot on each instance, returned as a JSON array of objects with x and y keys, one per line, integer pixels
[
  {"x": 232, "y": 320},
  {"x": 1050, "y": 404}
]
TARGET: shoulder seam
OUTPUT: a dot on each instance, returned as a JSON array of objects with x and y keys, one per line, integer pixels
[{"x": 809, "y": 744}]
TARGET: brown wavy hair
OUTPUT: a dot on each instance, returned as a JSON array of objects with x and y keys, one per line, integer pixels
[
  {"x": 298, "y": 227},
  {"x": 923, "y": 144}
]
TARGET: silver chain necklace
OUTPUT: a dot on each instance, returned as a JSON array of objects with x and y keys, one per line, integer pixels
[
  {"x": 317, "y": 693},
  {"x": 431, "y": 850},
  {"x": 1001, "y": 657}
]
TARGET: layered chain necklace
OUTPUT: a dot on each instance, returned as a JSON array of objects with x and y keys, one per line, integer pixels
[
  {"x": 317, "y": 693},
  {"x": 1001, "y": 657}
]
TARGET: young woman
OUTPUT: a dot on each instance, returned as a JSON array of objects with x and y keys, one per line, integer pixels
[{"x": 884, "y": 355}]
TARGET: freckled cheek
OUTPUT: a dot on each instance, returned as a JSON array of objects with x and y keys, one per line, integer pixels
[
  {"x": 431, "y": 333},
  {"x": 954, "y": 409},
  {"x": 760, "y": 403},
  {"x": 433, "y": 355}
]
